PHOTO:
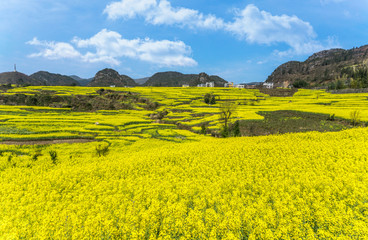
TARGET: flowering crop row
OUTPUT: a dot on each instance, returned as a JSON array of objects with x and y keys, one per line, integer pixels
[{"x": 293, "y": 186}]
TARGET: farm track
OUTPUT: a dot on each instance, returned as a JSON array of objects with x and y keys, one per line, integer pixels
[{"x": 45, "y": 142}]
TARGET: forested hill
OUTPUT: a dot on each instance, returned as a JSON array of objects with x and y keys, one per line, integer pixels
[
  {"x": 324, "y": 68},
  {"x": 52, "y": 79},
  {"x": 177, "y": 79}
]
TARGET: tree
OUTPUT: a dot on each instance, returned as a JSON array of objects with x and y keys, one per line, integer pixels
[
  {"x": 209, "y": 98},
  {"x": 227, "y": 109},
  {"x": 340, "y": 84},
  {"x": 235, "y": 129},
  {"x": 300, "y": 84}
]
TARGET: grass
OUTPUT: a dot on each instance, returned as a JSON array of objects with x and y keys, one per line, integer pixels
[{"x": 286, "y": 121}]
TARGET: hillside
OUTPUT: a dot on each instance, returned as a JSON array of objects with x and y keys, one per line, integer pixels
[
  {"x": 19, "y": 79},
  {"x": 321, "y": 68},
  {"x": 141, "y": 81},
  {"x": 176, "y": 79},
  {"x": 82, "y": 81},
  {"x": 109, "y": 77},
  {"x": 52, "y": 79}
]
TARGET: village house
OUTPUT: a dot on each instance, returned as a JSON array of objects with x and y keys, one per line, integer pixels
[{"x": 268, "y": 85}]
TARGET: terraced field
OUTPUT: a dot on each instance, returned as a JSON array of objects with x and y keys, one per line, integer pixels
[{"x": 128, "y": 174}]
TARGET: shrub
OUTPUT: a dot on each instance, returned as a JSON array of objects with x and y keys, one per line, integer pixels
[
  {"x": 203, "y": 129},
  {"x": 235, "y": 129},
  {"x": 53, "y": 156},
  {"x": 355, "y": 117},
  {"x": 300, "y": 84},
  {"x": 102, "y": 149},
  {"x": 159, "y": 115},
  {"x": 331, "y": 117},
  {"x": 36, "y": 155},
  {"x": 209, "y": 98}
]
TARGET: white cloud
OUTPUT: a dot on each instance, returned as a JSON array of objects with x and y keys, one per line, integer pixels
[
  {"x": 250, "y": 24},
  {"x": 128, "y": 8},
  {"x": 309, "y": 47},
  {"x": 54, "y": 50},
  {"x": 256, "y": 26},
  {"x": 110, "y": 48},
  {"x": 162, "y": 13},
  {"x": 262, "y": 27},
  {"x": 167, "y": 52}
]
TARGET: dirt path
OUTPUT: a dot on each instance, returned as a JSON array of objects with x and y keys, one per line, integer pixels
[{"x": 44, "y": 142}]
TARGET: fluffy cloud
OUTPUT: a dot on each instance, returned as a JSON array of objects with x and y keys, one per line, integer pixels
[
  {"x": 250, "y": 24},
  {"x": 109, "y": 47},
  {"x": 54, "y": 50},
  {"x": 159, "y": 13},
  {"x": 261, "y": 27},
  {"x": 256, "y": 26},
  {"x": 128, "y": 8}
]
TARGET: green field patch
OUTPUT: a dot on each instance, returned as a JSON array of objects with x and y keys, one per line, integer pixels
[
  {"x": 9, "y": 129},
  {"x": 285, "y": 121}
]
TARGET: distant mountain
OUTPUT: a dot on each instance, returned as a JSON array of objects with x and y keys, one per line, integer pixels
[
  {"x": 321, "y": 68},
  {"x": 108, "y": 77},
  {"x": 52, "y": 79},
  {"x": 141, "y": 81},
  {"x": 82, "y": 81},
  {"x": 176, "y": 79},
  {"x": 19, "y": 79}
]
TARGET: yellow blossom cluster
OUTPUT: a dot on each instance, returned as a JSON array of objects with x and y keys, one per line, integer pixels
[
  {"x": 157, "y": 181},
  {"x": 294, "y": 186}
]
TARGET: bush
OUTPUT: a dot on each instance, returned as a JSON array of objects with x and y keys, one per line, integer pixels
[
  {"x": 159, "y": 115},
  {"x": 331, "y": 117},
  {"x": 209, "y": 98},
  {"x": 203, "y": 129},
  {"x": 224, "y": 132},
  {"x": 300, "y": 84},
  {"x": 36, "y": 155},
  {"x": 53, "y": 155},
  {"x": 235, "y": 129},
  {"x": 102, "y": 149},
  {"x": 355, "y": 117}
]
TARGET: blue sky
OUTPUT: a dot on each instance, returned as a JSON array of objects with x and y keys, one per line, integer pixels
[{"x": 239, "y": 40}]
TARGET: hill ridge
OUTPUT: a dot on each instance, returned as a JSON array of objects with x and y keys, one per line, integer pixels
[{"x": 320, "y": 68}]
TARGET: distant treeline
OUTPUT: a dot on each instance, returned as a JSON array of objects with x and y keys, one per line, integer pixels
[{"x": 102, "y": 100}]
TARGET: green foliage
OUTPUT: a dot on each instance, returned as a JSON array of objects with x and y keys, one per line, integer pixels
[
  {"x": 340, "y": 84},
  {"x": 355, "y": 117},
  {"x": 102, "y": 149},
  {"x": 331, "y": 117},
  {"x": 105, "y": 100},
  {"x": 203, "y": 129},
  {"x": 300, "y": 84},
  {"x": 235, "y": 129},
  {"x": 53, "y": 156},
  {"x": 358, "y": 76},
  {"x": 224, "y": 132},
  {"x": 227, "y": 110},
  {"x": 337, "y": 85},
  {"x": 159, "y": 115},
  {"x": 209, "y": 98},
  {"x": 37, "y": 154},
  {"x": 286, "y": 121}
]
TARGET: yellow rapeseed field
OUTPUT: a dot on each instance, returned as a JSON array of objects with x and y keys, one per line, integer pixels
[{"x": 156, "y": 181}]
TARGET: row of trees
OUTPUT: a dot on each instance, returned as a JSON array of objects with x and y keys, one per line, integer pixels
[{"x": 351, "y": 77}]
